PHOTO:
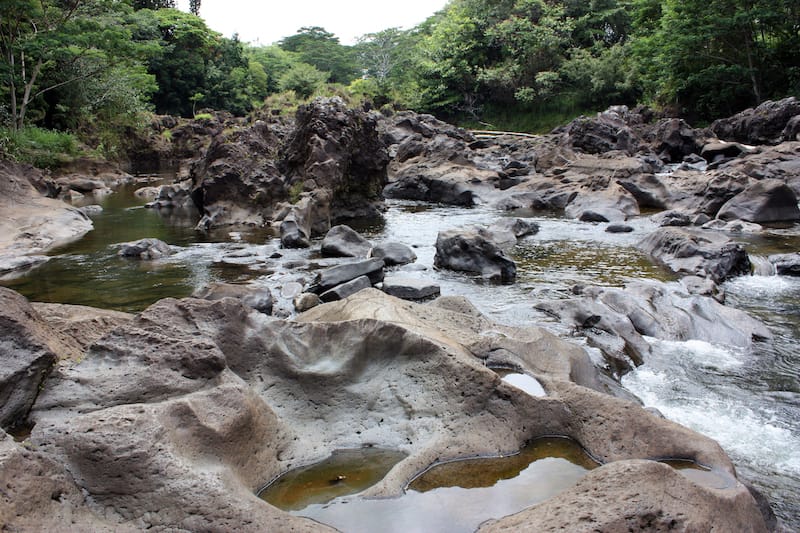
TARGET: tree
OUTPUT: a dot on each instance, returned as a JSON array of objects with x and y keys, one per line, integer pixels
[
  {"x": 320, "y": 48},
  {"x": 194, "y": 7},
  {"x": 153, "y": 4},
  {"x": 51, "y": 44},
  {"x": 303, "y": 79}
]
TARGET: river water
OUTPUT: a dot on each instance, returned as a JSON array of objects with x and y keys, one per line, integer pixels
[{"x": 746, "y": 399}]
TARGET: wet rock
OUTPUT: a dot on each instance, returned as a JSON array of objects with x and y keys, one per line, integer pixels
[
  {"x": 675, "y": 218},
  {"x": 762, "y": 125},
  {"x": 393, "y": 253},
  {"x": 474, "y": 250},
  {"x": 410, "y": 288},
  {"x": 340, "y": 292},
  {"x": 28, "y": 350},
  {"x": 649, "y": 190},
  {"x": 331, "y": 277},
  {"x": 666, "y": 311},
  {"x": 344, "y": 241},
  {"x": 619, "y": 228},
  {"x": 733, "y": 226},
  {"x": 786, "y": 264},
  {"x": 514, "y": 228},
  {"x": 145, "y": 249},
  {"x": 704, "y": 254},
  {"x": 259, "y": 298},
  {"x": 764, "y": 201}
]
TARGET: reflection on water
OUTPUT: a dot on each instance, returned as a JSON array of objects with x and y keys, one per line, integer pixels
[
  {"x": 344, "y": 472},
  {"x": 459, "y": 496}
]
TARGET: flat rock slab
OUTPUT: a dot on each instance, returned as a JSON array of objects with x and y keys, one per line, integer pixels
[
  {"x": 410, "y": 288},
  {"x": 335, "y": 276},
  {"x": 340, "y": 292}
]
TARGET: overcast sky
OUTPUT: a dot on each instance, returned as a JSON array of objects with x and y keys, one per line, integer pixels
[{"x": 265, "y": 22}]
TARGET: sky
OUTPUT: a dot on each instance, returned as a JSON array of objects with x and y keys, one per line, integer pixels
[{"x": 266, "y": 22}]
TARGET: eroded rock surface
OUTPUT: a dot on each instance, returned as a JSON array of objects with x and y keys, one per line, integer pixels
[{"x": 175, "y": 419}]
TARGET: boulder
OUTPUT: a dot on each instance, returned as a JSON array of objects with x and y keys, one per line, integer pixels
[
  {"x": 762, "y": 125},
  {"x": 259, "y": 298},
  {"x": 715, "y": 151},
  {"x": 305, "y": 301},
  {"x": 393, "y": 253},
  {"x": 630, "y": 504},
  {"x": 410, "y": 288},
  {"x": 31, "y": 223},
  {"x": 344, "y": 241},
  {"x": 348, "y": 288},
  {"x": 691, "y": 252},
  {"x": 649, "y": 190},
  {"x": 331, "y": 277},
  {"x": 672, "y": 139},
  {"x": 786, "y": 264},
  {"x": 237, "y": 180},
  {"x": 763, "y": 201},
  {"x": 604, "y": 133},
  {"x": 674, "y": 217},
  {"x": 145, "y": 249},
  {"x": 338, "y": 150},
  {"x": 28, "y": 350},
  {"x": 619, "y": 228},
  {"x": 473, "y": 250}
]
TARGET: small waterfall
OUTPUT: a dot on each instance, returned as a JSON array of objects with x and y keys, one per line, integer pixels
[{"x": 762, "y": 266}]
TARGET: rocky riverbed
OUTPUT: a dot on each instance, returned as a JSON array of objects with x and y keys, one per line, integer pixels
[{"x": 173, "y": 418}]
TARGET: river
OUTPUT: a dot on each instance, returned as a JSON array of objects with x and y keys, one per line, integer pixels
[{"x": 748, "y": 400}]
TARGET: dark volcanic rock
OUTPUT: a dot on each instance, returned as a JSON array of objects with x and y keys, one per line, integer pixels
[
  {"x": 145, "y": 249},
  {"x": 410, "y": 288},
  {"x": 393, "y": 253},
  {"x": 763, "y": 125},
  {"x": 474, "y": 250},
  {"x": 237, "y": 181},
  {"x": 340, "y": 292},
  {"x": 786, "y": 264},
  {"x": 703, "y": 254},
  {"x": 338, "y": 150},
  {"x": 599, "y": 135},
  {"x": 764, "y": 201},
  {"x": 334, "y": 276},
  {"x": 672, "y": 139},
  {"x": 344, "y": 241}
]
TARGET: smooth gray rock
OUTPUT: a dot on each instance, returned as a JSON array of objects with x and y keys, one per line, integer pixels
[
  {"x": 344, "y": 241},
  {"x": 340, "y": 292},
  {"x": 28, "y": 350},
  {"x": 293, "y": 235},
  {"x": 698, "y": 253},
  {"x": 410, "y": 288},
  {"x": 393, "y": 253},
  {"x": 145, "y": 249},
  {"x": 259, "y": 298},
  {"x": 672, "y": 218},
  {"x": 786, "y": 264},
  {"x": 619, "y": 228},
  {"x": 305, "y": 301},
  {"x": 334, "y": 276},
  {"x": 473, "y": 250},
  {"x": 764, "y": 201}
]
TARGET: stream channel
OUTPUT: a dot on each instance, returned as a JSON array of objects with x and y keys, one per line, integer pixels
[{"x": 746, "y": 399}]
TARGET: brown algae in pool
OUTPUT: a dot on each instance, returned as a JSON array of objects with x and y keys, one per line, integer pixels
[
  {"x": 486, "y": 472},
  {"x": 460, "y": 495},
  {"x": 344, "y": 472}
]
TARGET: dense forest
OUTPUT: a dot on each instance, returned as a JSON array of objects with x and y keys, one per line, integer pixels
[{"x": 96, "y": 68}]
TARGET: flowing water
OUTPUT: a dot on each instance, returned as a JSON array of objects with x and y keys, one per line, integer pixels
[{"x": 748, "y": 400}]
